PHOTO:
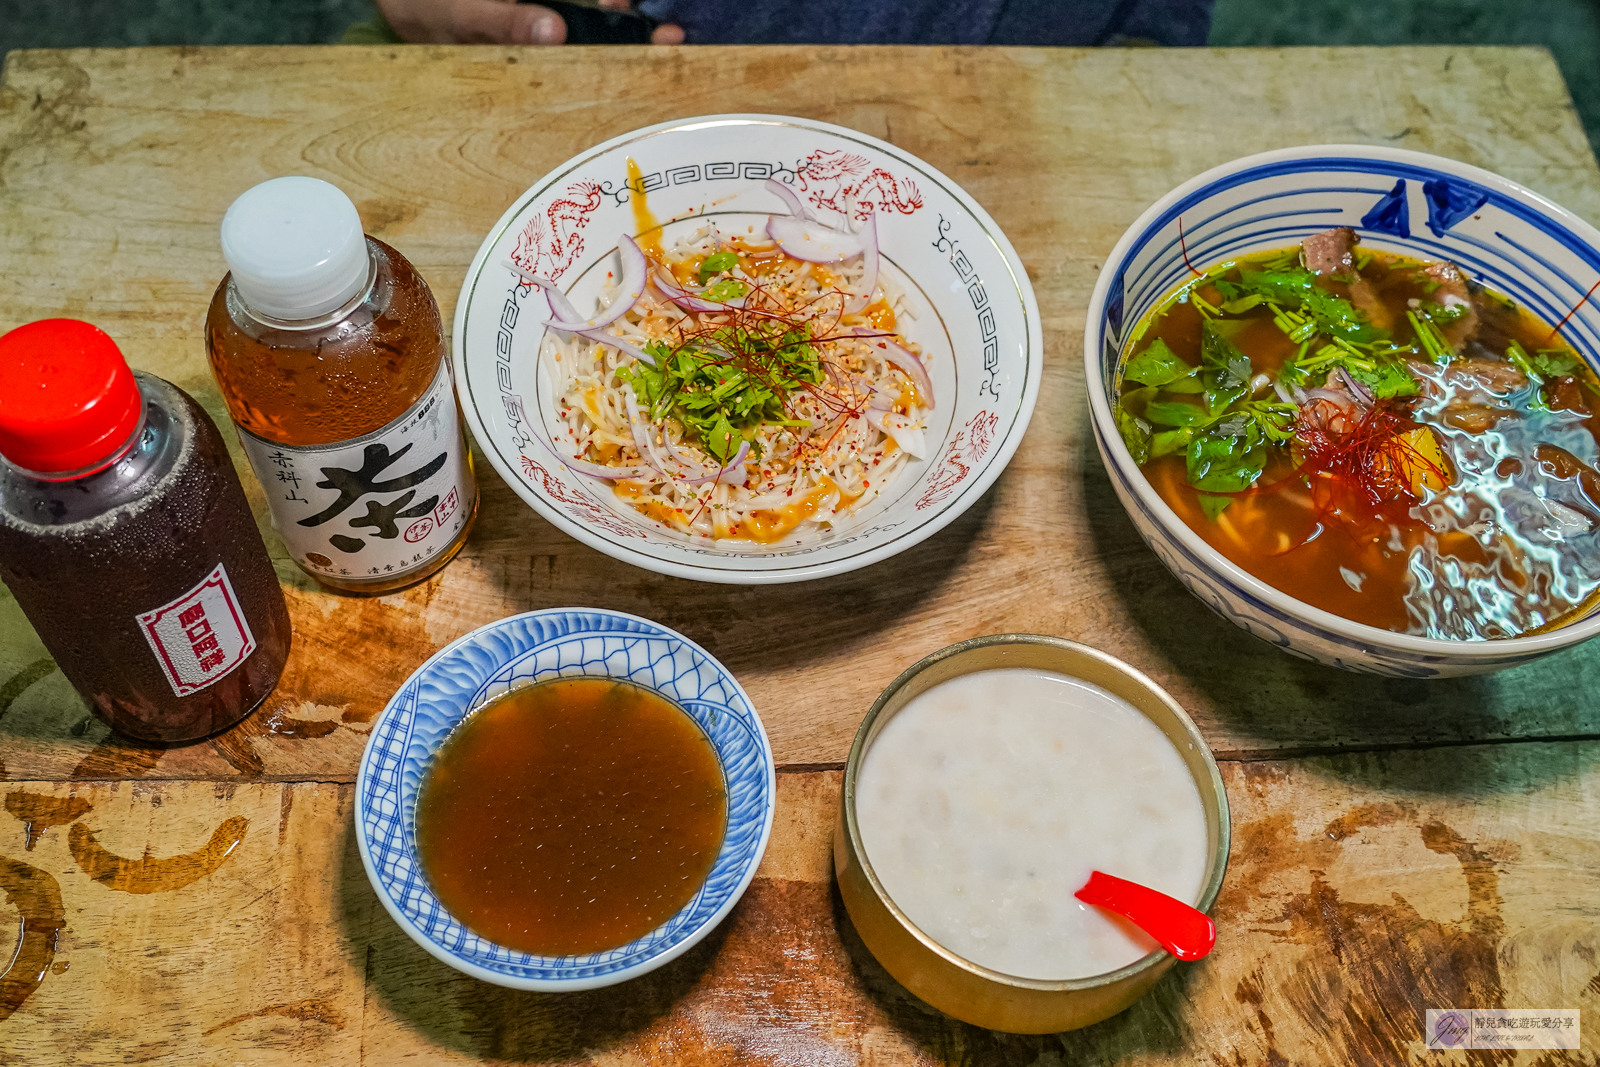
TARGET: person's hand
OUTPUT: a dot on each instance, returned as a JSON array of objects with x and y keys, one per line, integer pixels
[{"x": 491, "y": 22}]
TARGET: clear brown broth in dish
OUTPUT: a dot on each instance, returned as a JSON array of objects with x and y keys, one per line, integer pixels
[{"x": 571, "y": 816}]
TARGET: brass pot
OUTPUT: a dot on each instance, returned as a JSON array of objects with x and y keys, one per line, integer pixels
[{"x": 957, "y": 986}]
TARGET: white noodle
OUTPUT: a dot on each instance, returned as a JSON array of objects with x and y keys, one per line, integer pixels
[{"x": 815, "y": 474}]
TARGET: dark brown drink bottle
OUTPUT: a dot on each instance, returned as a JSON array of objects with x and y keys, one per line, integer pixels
[{"x": 127, "y": 541}]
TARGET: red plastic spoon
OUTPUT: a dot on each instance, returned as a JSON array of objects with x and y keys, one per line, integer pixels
[{"x": 1181, "y": 930}]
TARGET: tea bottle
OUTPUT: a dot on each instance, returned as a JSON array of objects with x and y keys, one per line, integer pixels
[
  {"x": 127, "y": 541},
  {"x": 330, "y": 354}
]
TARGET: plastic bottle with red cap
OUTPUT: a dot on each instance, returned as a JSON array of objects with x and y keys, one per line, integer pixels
[{"x": 126, "y": 539}]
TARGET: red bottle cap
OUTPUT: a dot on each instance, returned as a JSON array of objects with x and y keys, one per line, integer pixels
[{"x": 67, "y": 397}]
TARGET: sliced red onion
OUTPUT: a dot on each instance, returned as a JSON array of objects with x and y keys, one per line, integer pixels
[
  {"x": 596, "y": 470},
  {"x": 635, "y": 268},
  {"x": 1332, "y": 396},
  {"x": 901, "y": 357},
  {"x": 909, "y": 438},
  {"x": 663, "y": 280},
  {"x": 812, "y": 241},
  {"x": 1283, "y": 394},
  {"x": 560, "y": 306},
  {"x": 869, "y": 264},
  {"x": 733, "y": 474},
  {"x": 688, "y": 464},
  {"x": 1357, "y": 389},
  {"x": 641, "y": 433},
  {"x": 879, "y": 399},
  {"x": 615, "y": 342},
  {"x": 797, "y": 207},
  {"x": 565, "y": 317}
]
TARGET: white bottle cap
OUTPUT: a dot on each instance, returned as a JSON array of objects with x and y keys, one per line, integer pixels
[{"x": 295, "y": 247}]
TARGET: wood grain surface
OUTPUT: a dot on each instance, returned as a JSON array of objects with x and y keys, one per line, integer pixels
[
  {"x": 1363, "y": 889},
  {"x": 1398, "y": 844}
]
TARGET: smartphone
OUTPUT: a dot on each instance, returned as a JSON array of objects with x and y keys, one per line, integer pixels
[{"x": 587, "y": 24}]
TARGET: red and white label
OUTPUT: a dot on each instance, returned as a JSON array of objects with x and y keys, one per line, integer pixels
[{"x": 201, "y": 636}]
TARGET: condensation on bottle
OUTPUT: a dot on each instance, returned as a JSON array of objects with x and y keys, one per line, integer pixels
[{"x": 127, "y": 541}]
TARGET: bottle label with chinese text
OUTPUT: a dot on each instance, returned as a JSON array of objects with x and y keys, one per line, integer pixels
[
  {"x": 378, "y": 506},
  {"x": 201, "y": 636}
]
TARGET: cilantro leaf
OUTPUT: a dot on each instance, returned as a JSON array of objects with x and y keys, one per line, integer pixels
[
  {"x": 1288, "y": 287},
  {"x": 1214, "y": 505},
  {"x": 1221, "y": 462},
  {"x": 1169, "y": 441},
  {"x": 1297, "y": 289},
  {"x": 1555, "y": 362},
  {"x": 717, "y": 263},
  {"x": 1386, "y": 379},
  {"x": 725, "y": 290},
  {"x": 1226, "y": 370},
  {"x": 723, "y": 386},
  {"x": 1444, "y": 314},
  {"x": 1156, "y": 365},
  {"x": 1178, "y": 413},
  {"x": 1135, "y": 433},
  {"x": 722, "y": 440},
  {"x": 1294, "y": 373},
  {"x": 1378, "y": 369}
]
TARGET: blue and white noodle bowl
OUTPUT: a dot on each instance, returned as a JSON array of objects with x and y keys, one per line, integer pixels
[
  {"x": 1417, "y": 205},
  {"x": 538, "y": 646}
]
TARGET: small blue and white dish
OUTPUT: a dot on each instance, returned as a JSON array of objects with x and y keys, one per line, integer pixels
[
  {"x": 540, "y": 645},
  {"x": 1417, "y": 205}
]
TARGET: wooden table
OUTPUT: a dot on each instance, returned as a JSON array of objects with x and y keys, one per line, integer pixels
[{"x": 1398, "y": 845}]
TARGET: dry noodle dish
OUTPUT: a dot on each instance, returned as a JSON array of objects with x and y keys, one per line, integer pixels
[
  {"x": 1376, "y": 436},
  {"x": 745, "y": 387}
]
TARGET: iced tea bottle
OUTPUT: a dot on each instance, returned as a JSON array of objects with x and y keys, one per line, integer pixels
[
  {"x": 127, "y": 541},
  {"x": 330, "y": 354}
]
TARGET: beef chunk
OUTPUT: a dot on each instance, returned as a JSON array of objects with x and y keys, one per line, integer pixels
[
  {"x": 1472, "y": 390},
  {"x": 1330, "y": 252},
  {"x": 1497, "y": 376},
  {"x": 1452, "y": 292}
]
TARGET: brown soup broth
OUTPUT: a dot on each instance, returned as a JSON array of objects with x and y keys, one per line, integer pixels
[
  {"x": 1508, "y": 546},
  {"x": 571, "y": 816}
]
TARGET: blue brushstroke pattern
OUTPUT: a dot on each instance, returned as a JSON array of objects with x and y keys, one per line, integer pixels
[
  {"x": 1390, "y": 215},
  {"x": 1450, "y": 200}
]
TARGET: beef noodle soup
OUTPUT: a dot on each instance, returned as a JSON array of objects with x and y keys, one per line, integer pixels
[{"x": 1375, "y": 436}]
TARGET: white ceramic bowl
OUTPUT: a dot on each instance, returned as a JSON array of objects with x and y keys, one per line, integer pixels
[
  {"x": 1418, "y": 205},
  {"x": 515, "y": 651},
  {"x": 977, "y": 320}
]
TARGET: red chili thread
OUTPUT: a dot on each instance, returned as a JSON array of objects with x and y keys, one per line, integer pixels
[
  {"x": 1184, "y": 245},
  {"x": 1371, "y": 457},
  {"x": 1571, "y": 313}
]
